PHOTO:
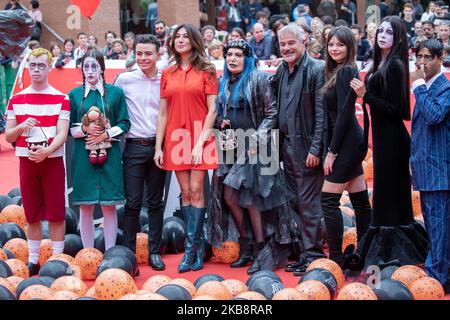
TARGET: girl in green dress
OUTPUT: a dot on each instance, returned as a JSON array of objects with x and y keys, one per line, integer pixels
[{"x": 100, "y": 183}]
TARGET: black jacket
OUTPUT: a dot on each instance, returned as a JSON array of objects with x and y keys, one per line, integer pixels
[{"x": 306, "y": 110}]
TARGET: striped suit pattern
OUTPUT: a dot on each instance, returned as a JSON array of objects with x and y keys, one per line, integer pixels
[{"x": 430, "y": 164}]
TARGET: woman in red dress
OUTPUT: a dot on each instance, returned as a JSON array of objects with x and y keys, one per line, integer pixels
[{"x": 184, "y": 140}]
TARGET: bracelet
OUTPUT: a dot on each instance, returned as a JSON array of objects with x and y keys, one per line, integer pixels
[{"x": 334, "y": 155}]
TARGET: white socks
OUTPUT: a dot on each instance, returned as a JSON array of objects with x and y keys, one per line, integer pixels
[
  {"x": 87, "y": 225},
  {"x": 57, "y": 247},
  {"x": 34, "y": 247},
  {"x": 109, "y": 226}
]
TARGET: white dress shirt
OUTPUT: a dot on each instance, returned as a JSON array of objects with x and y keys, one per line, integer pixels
[{"x": 143, "y": 96}]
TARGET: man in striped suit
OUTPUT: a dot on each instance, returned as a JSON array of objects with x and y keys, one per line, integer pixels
[{"x": 430, "y": 155}]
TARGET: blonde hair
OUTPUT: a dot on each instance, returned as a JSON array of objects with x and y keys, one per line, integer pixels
[{"x": 40, "y": 52}]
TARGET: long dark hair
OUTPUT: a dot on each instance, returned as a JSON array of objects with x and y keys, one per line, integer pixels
[
  {"x": 398, "y": 54},
  {"x": 343, "y": 34},
  {"x": 92, "y": 53},
  {"x": 198, "y": 54}
]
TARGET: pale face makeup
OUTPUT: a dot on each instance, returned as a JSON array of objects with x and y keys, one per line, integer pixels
[
  {"x": 92, "y": 70},
  {"x": 235, "y": 60},
  {"x": 385, "y": 37}
]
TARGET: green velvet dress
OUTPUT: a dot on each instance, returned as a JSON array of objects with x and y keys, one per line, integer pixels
[{"x": 98, "y": 184}]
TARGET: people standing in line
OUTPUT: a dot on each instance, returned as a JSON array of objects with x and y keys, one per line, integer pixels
[
  {"x": 245, "y": 181},
  {"x": 38, "y": 122},
  {"x": 298, "y": 87},
  {"x": 346, "y": 145},
  {"x": 393, "y": 238},
  {"x": 100, "y": 183},
  {"x": 430, "y": 155},
  {"x": 186, "y": 117}
]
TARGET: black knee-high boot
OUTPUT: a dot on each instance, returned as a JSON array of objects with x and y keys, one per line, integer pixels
[
  {"x": 363, "y": 212},
  {"x": 334, "y": 224}
]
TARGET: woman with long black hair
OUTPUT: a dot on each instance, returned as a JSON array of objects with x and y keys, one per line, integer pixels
[
  {"x": 394, "y": 238},
  {"x": 248, "y": 200},
  {"x": 346, "y": 146}
]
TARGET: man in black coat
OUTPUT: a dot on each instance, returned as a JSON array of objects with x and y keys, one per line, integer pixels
[{"x": 297, "y": 86}]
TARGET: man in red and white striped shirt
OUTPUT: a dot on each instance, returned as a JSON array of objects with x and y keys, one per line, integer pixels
[{"x": 40, "y": 113}]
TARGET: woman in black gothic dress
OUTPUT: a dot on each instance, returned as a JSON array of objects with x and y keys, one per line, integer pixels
[{"x": 394, "y": 238}]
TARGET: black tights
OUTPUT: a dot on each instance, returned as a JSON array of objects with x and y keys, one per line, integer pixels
[{"x": 231, "y": 197}]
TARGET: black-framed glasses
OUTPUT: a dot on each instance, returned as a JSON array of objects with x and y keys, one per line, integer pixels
[{"x": 40, "y": 66}]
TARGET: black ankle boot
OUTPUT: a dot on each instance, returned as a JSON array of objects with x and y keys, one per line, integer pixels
[
  {"x": 334, "y": 224},
  {"x": 245, "y": 254},
  {"x": 255, "y": 266},
  {"x": 363, "y": 212}
]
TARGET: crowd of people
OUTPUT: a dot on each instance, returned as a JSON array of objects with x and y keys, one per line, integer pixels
[{"x": 178, "y": 116}]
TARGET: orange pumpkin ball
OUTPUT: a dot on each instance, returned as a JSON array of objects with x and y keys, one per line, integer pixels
[
  {"x": 408, "y": 274},
  {"x": 227, "y": 253},
  {"x": 356, "y": 291},
  {"x": 88, "y": 260},
  {"x": 215, "y": 289},
  {"x": 70, "y": 283},
  {"x": 155, "y": 282},
  {"x": 331, "y": 266},
  {"x": 19, "y": 247},
  {"x": 37, "y": 291},
  {"x": 427, "y": 288},
  {"x": 18, "y": 268},
  {"x": 112, "y": 284},
  {"x": 315, "y": 290},
  {"x": 290, "y": 294}
]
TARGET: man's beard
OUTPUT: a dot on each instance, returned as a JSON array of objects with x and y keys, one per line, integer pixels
[{"x": 161, "y": 36}]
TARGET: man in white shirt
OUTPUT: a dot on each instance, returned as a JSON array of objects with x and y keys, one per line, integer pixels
[{"x": 141, "y": 86}]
